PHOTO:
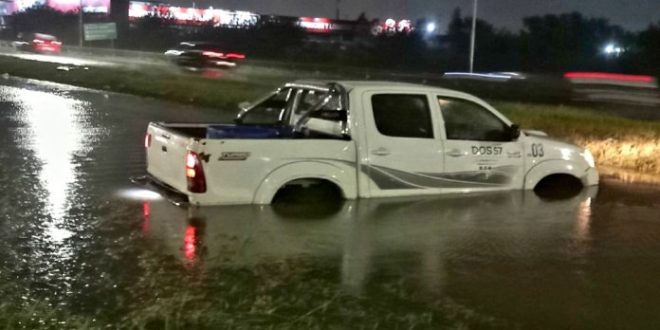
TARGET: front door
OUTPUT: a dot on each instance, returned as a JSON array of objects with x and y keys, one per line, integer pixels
[
  {"x": 480, "y": 153},
  {"x": 403, "y": 149}
]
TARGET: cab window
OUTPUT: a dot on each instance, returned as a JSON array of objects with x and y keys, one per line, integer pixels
[
  {"x": 269, "y": 112},
  {"x": 402, "y": 115},
  {"x": 309, "y": 99},
  {"x": 306, "y": 100},
  {"x": 465, "y": 120}
]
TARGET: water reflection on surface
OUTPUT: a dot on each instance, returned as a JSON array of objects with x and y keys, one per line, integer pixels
[
  {"x": 55, "y": 136},
  {"x": 513, "y": 256},
  {"x": 367, "y": 235}
]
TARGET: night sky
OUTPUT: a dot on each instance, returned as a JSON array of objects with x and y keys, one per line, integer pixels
[{"x": 631, "y": 14}]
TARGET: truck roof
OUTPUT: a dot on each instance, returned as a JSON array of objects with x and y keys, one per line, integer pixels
[{"x": 380, "y": 84}]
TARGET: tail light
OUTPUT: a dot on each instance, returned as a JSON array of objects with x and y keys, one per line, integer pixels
[
  {"x": 195, "y": 173},
  {"x": 147, "y": 140},
  {"x": 236, "y": 56}
]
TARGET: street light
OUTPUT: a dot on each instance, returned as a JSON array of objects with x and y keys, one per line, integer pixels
[
  {"x": 613, "y": 49},
  {"x": 430, "y": 27},
  {"x": 80, "y": 24},
  {"x": 473, "y": 35}
]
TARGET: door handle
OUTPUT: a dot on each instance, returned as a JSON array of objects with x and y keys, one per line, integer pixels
[
  {"x": 455, "y": 153},
  {"x": 380, "y": 152}
]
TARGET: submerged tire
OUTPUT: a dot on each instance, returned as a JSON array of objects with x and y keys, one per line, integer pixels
[
  {"x": 558, "y": 186},
  {"x": 310, "y": 201}
]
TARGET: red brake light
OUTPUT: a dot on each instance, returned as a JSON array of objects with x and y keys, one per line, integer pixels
[
  {"x": 236, "y": 55},
  {"x": 195, "y": 173},
  {"x": 147, "y": 140}
]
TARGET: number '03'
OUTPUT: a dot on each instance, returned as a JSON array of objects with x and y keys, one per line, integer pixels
[{"x": 537, "y": 150}]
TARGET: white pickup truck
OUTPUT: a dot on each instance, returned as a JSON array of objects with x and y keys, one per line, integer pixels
[{"x": 366, "y": 139}]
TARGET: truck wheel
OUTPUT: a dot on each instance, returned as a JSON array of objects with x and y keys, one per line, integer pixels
[
  {"x": 558, "y": 186},
  {"x": 306, "y": 200}
]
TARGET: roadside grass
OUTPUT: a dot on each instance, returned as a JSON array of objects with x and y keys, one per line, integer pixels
[
  {"x": 41, "y": 315},
  {"x": 570, "y": 121},
  {"x": 172, "y": 86},
  {"x": 615, "y": 142},
  {"x": 287, "y": 294}
]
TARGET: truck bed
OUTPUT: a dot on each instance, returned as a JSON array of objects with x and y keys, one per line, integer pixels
[{"x": 191, "y": 130}]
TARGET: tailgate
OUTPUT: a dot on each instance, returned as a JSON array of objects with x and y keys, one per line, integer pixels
[{"x": 166, "y": 156}]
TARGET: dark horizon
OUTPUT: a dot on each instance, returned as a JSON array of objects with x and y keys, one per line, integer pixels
[{"x": 633, "y": 15}]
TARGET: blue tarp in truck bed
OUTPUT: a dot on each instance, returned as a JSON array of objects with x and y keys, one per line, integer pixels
[{"x": 247, "y": 132}]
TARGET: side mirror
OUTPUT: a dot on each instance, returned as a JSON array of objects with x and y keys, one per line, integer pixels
[{"x": 515, "y": 132}]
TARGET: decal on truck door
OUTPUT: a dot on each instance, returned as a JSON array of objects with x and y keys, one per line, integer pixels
[
  {"x": 234, "y": 155},
  {"x": 487, "y": 150},
  {"x": 388, "y": 178}
]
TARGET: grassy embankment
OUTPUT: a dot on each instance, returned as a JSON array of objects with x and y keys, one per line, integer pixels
[
  {"x": 168, "y": 85},
  {"x": 615, "y": 142}
]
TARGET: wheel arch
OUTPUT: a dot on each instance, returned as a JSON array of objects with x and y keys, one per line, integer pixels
[
  {"x": 553, "y": 167},
  {"x": 341, "y": 176}
]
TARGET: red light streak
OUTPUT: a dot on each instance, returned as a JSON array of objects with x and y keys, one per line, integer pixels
[
  {"x": 213, "y": 54},
  {"x": 236, "y": 55},
  {"x": 609, "y": 76},
  {"x": 189, "y": 240},
  {"x": 146, "y": 214}
]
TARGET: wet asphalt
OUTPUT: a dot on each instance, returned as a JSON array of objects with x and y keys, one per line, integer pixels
[{"x": 82, "y": 247}]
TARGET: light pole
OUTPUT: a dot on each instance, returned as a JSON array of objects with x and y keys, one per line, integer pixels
[
  {"x": 473, "y": 35},
  {"x": 80, "y": 25}
]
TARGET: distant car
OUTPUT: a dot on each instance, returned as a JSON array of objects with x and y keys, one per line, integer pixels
[
  {"x": 38, "y": 43},
  {"x": 203, "y": 54}
]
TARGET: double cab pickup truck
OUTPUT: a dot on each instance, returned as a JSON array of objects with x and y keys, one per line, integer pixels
[{"x": 366, "y": 139}]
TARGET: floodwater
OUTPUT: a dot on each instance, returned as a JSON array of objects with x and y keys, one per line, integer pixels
[{"x": 80, "y": 247}]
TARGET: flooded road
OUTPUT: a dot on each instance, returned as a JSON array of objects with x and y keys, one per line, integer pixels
[{"x": 80, "y": 247}]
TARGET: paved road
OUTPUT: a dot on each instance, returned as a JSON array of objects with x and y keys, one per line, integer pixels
[{"x": 80, "y": 244}]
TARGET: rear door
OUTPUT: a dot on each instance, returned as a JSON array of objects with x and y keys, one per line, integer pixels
[
  {"x": 480, "y": 153},
  {"x": 403, "y": 151}
]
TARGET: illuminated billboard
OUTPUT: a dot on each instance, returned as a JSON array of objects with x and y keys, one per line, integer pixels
[
  {"x": 89, "y": 6},
  {"x": 25, "y": 4},
  {"x": 186, "y": 15},
  {"x": 323, "y": 25}
]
